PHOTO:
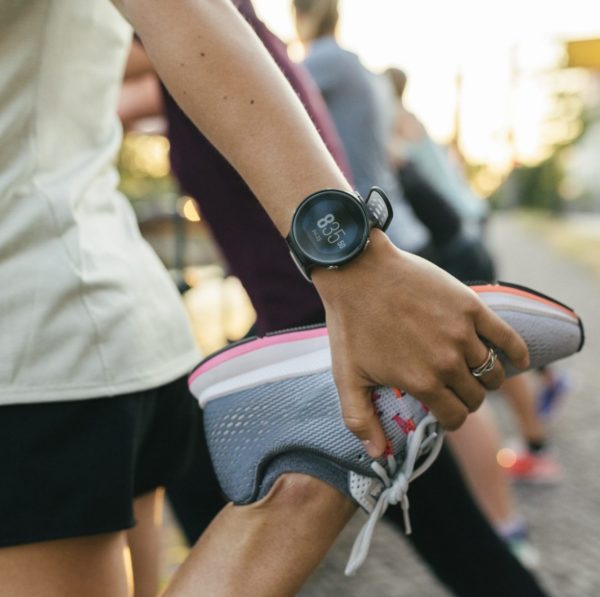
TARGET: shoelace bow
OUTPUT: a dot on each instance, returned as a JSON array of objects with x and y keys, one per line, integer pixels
[{"x": 396, "y": 481}]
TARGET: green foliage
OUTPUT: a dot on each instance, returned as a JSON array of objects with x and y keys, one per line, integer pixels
[
  {"x": 144, "y": 167},
  {"x": 533, "y": 187}
]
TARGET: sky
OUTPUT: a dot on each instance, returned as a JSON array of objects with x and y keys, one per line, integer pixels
[{"x": 503, "y": 50}]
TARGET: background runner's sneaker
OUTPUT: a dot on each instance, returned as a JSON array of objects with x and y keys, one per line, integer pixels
[
  {"x": 537, "y": 468},
  {"x": 515, "y": 534},
  {"x": 556, "y": 386},
  {"x": 524, "y": 550}
]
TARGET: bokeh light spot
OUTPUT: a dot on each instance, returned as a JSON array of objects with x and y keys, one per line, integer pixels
[{"x": 506, "y": 457}]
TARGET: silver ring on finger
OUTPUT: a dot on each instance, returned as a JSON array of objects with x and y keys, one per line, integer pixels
[{"x": 486, "y": 366}]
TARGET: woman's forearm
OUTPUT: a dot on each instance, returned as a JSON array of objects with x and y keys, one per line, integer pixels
[{"x": 224, "y": 79}]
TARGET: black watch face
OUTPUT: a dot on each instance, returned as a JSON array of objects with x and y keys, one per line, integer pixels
[{"x": 330, "y": 227}]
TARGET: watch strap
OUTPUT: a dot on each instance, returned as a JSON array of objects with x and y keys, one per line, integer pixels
[
  {"x": 379, "y": 209},
  {"x": 295, "y": 254}
]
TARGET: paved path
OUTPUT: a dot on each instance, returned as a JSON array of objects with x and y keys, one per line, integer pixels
[{"x": 565, "y": 520}]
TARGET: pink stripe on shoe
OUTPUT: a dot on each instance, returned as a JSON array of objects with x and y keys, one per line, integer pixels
[{"x": 257, "y": 344}]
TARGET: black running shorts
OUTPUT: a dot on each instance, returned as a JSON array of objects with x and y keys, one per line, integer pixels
[{"x": 70, "y": 469}]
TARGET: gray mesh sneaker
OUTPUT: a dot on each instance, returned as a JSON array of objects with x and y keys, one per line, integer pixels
[{"x": 271, "y": 407}]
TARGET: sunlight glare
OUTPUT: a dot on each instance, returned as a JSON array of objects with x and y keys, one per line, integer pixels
[{"x": 504, "y": 51}]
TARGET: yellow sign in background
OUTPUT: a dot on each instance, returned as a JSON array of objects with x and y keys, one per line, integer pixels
[{"x": 584, "y": 53}]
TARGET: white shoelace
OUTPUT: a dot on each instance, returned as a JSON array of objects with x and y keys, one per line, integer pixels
[{"x": 396, "y": 480}]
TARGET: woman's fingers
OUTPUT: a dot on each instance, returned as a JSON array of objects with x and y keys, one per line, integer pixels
[{"x": 502, "y": 336}]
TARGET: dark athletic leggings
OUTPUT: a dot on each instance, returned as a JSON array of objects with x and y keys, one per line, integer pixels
[{"x": 449, "y": 531}]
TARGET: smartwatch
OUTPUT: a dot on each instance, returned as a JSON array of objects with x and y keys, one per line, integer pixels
[{"x": 331, "y": 227}]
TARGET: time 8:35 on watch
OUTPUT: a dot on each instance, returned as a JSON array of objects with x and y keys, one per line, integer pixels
[{"x": 331, "y": 227}]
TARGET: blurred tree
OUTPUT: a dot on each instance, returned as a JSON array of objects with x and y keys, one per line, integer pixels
[
  {"x": 144, "y": 167},
  {"x": 539, "y": 186}
]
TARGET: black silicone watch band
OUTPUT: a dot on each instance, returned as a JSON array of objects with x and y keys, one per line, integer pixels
[{"x": 379, "y": 209}]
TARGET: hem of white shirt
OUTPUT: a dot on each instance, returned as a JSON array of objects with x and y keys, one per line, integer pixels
[{"x": 173, "y": 370}]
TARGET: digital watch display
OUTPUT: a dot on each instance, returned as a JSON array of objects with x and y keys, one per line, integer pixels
[{"x": 331, "y": 227}]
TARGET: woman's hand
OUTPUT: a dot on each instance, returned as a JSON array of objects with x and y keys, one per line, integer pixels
[{"x": 394, "y": 319}]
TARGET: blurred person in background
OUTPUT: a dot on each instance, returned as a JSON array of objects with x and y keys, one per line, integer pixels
[
  {"x": 411, "y": 144},
  {"x": 282, "y": 299},
  {"x": 350, "y": 92},
  {"x": 413, "y": 153},
  {"x": 414, "y": 156}
]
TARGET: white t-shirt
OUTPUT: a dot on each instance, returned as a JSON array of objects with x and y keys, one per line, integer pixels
[{"x": 86, "y": 308}]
